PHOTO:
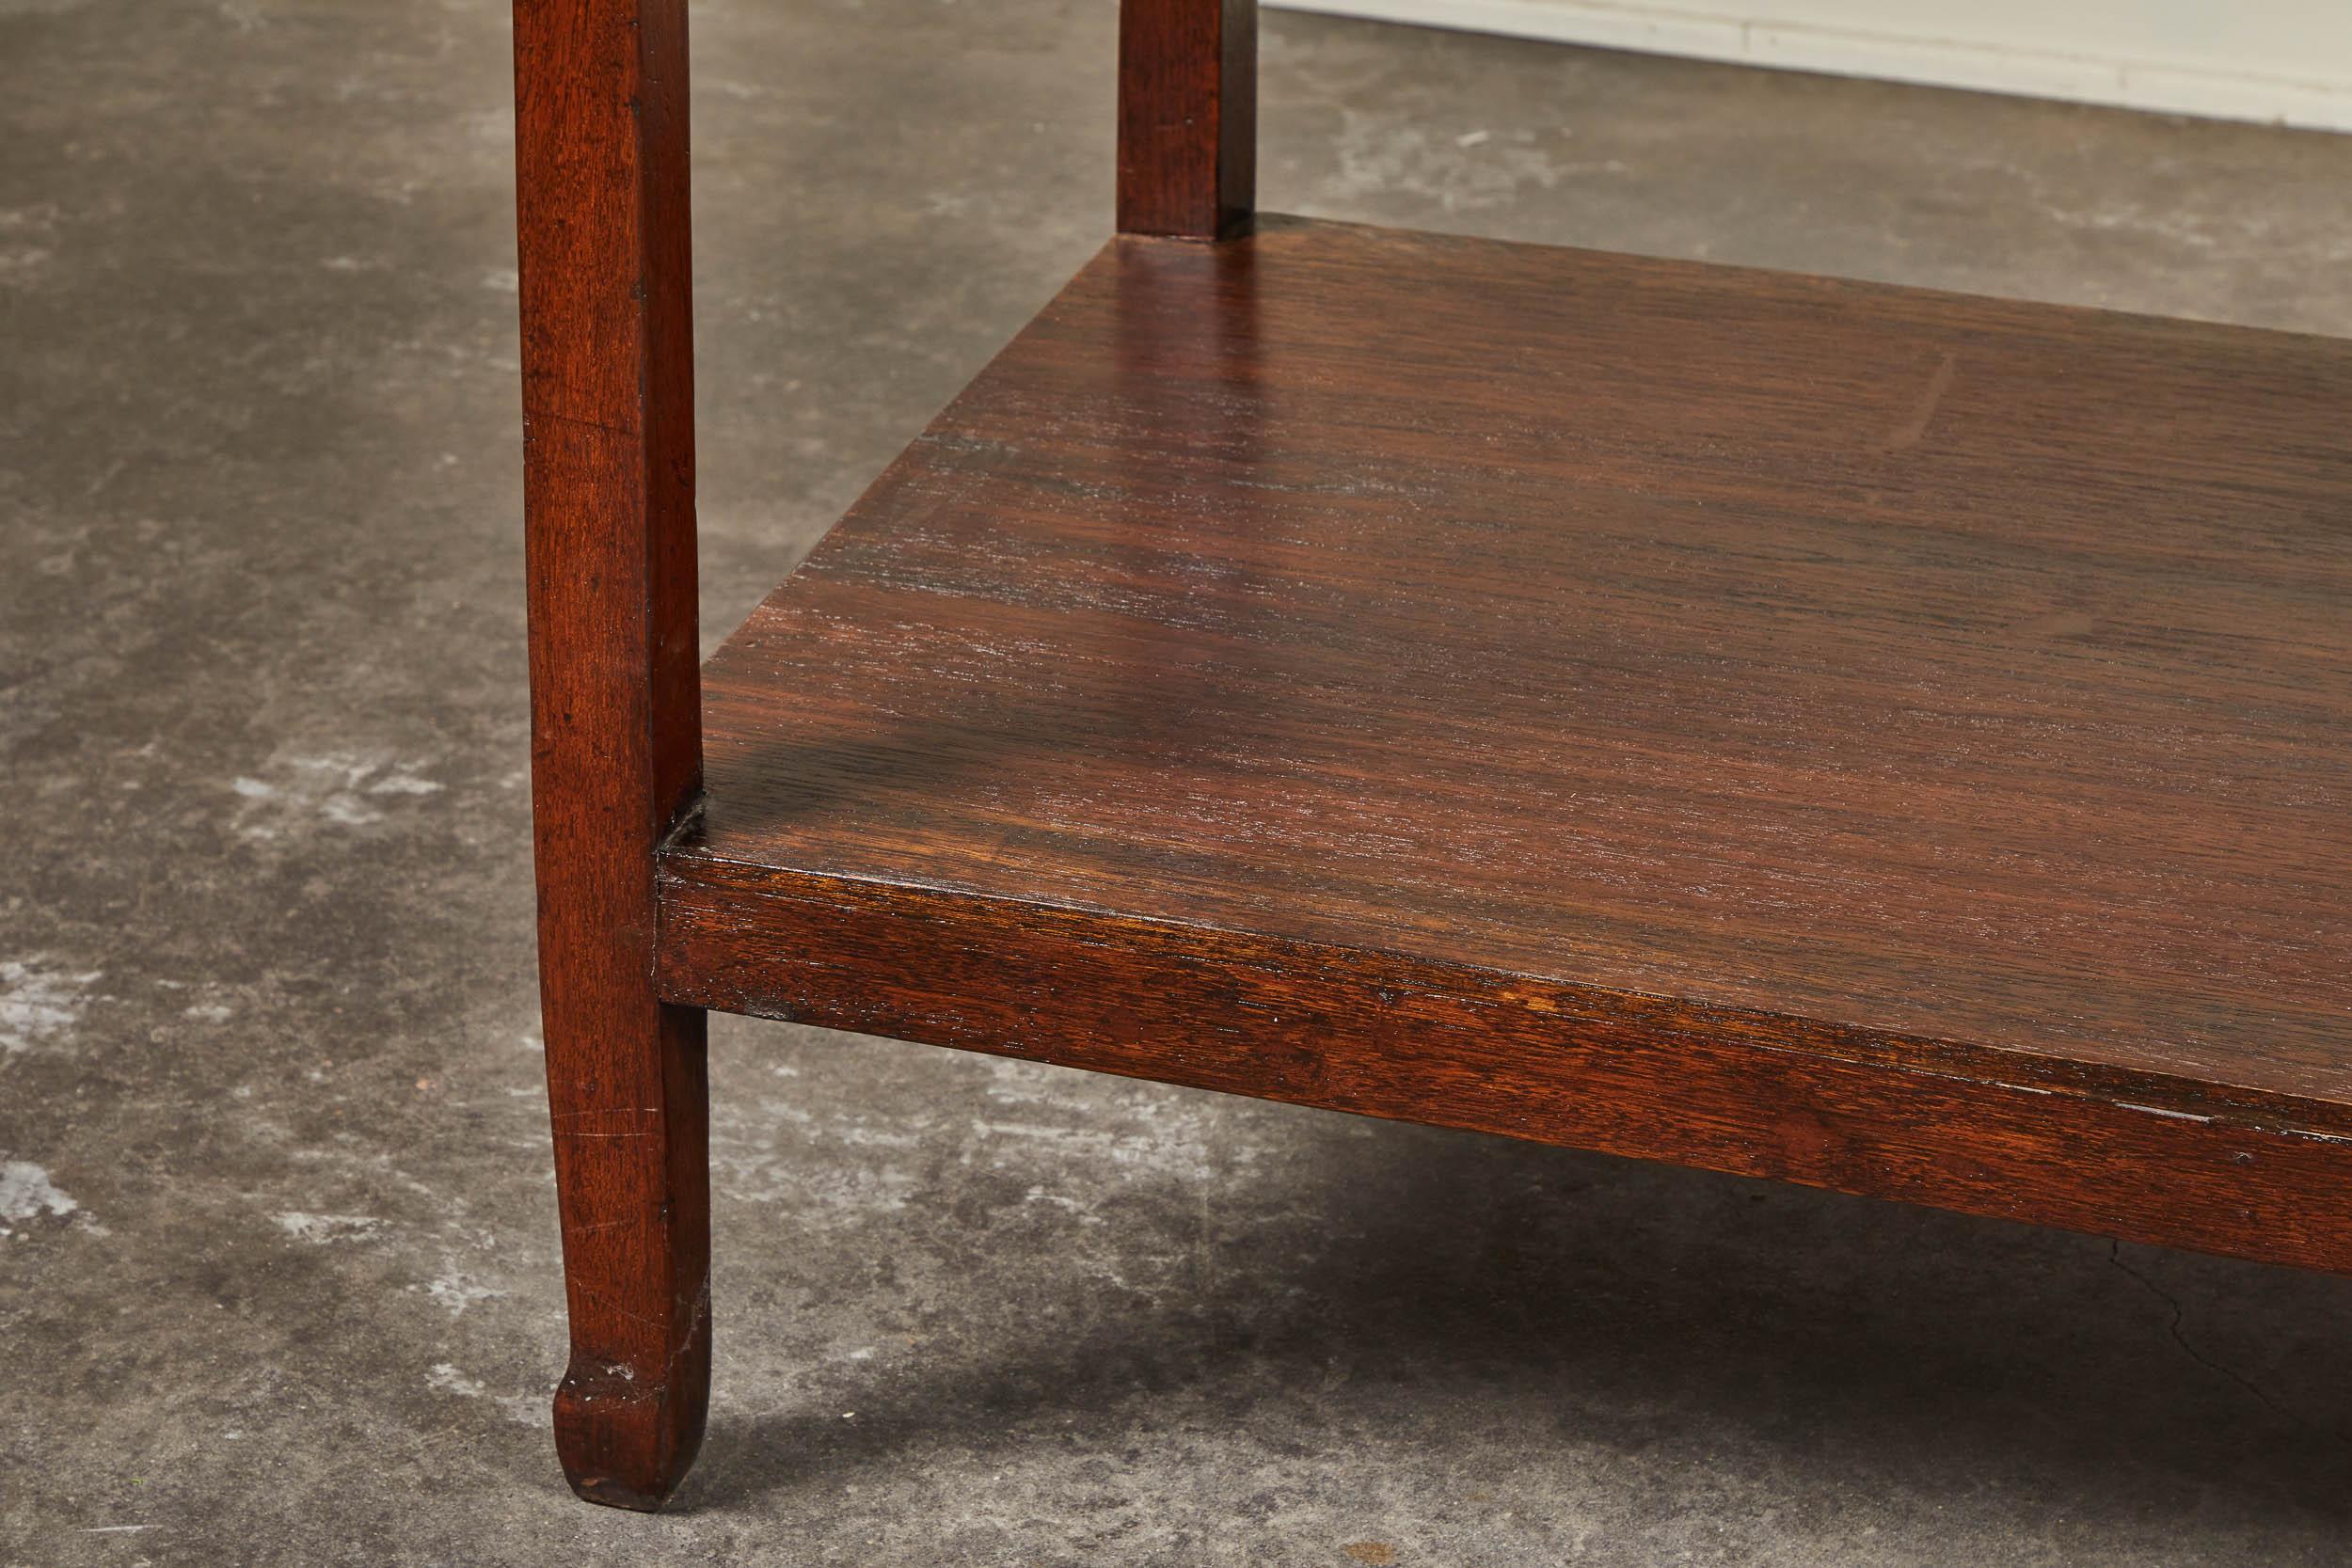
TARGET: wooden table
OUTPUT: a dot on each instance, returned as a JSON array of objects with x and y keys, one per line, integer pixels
[{"x": 1881, "y": 739}]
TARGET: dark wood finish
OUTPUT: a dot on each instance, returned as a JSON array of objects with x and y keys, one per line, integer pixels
[
  {"x": 1879, "y": 740},
  {"x": 608, "y": 400},
  {"x": 1187, "y": 115},
  {"x": 1882, "y": 739}
]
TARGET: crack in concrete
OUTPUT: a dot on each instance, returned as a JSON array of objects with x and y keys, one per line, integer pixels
[{"x": 2114, "y": 1255}]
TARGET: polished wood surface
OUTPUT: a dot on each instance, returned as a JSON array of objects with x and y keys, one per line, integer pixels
[
  {"x": 1187, "y": 115},
  {"x": 609, "y": 477},
  {"x": 1886, "y": 739}
]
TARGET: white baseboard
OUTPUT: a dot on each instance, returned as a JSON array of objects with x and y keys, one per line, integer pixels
[{"x": 2224, "y": 88}]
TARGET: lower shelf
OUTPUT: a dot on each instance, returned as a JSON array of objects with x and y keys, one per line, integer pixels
[{"x": 1884, "y": 739}]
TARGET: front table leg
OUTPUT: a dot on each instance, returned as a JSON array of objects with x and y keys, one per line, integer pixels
[{"x": 616, "y": 715}]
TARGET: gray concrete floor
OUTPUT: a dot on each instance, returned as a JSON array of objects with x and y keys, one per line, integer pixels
[{"x": 278, "y": 1278}]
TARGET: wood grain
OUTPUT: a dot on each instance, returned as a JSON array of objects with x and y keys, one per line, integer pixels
[
  {"x": 1187, "y": 115},
  {"x": 1884, "y": 740},
  {"x": 609, "y": 463}
]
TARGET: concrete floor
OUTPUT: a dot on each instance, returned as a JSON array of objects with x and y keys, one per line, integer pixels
[{"x": 278, "y": 1271}]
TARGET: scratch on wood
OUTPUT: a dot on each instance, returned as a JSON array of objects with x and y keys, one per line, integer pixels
[{"x": 1914, "y": 430}]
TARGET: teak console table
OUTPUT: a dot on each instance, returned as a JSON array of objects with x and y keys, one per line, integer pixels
[{"x": 1876, "y": 738}]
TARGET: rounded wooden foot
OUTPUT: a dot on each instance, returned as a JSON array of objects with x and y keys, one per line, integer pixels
[
  {"x": 627, "y": 1440},
  {"x": 632, "y": 1179}
]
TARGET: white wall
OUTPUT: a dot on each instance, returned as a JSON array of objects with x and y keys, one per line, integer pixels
[{"x": 2287, "y": 61}]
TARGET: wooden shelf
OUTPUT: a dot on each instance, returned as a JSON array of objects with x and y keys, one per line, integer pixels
[{"x": 1878, "y": 738}]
